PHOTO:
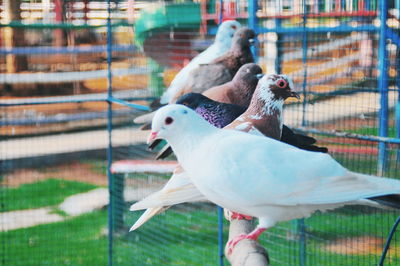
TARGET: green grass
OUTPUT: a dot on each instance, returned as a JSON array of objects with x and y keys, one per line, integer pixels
[
  {"x": 47, "y": 192},
  {"x": 373, "y": 131},
  {"x": 322, "y": 229},
  {"x": 179, "y": 237},
  {"x": 184, "y": 235},
  {"x": 97, "y": 166},
  {"x": 77, "y": 241}
]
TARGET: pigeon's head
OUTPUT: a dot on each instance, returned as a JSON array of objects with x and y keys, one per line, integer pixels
[
  {"x": 226, "y": 31},
  {"x": 249, "y": 73},
  {"x": 192, "y": 100},
  {"x": 244, "y": 38},
  {"x": 278, "y": 87},
  {"x": 169, "y": 120}
]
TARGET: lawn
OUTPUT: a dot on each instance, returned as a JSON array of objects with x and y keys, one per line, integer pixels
[
  {"x": 47, "y": 192},
  {"x": 184, "y": 235},
  {"x": 75, "y": 241},
  {"x": 373, "y": 131}
]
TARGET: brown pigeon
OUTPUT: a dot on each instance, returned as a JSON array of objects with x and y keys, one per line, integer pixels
[
  {"x": 237, "y": 91},
  {"x": 223, "y": 68}
]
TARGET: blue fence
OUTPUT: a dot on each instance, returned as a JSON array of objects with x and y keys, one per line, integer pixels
[{"x": 347, "y": 67}]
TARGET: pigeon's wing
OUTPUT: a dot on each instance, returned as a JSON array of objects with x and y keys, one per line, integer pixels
[
  {"x": 177, "y": 190},
  {"x": 146, "y": 118},
  {"x": 147, "y": 215},
  {"x": 207, "y": 76},
  {"x": 261, "y": 171},
  {"x": 180, "y": 80}
]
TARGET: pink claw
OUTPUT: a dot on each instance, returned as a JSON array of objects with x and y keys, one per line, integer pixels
[
  {"x": 239, "y": 216},
  {"x": 253, "y": 236}
]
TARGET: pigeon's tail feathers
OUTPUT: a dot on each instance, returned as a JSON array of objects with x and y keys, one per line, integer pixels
[
  {"x": 314, "y": 148},
  {"x": 305, "y": 139},
  {"x": 156, "y": 104},
  {"x": 368, "y": 187},
  {"x": 164, "y": 152},
  {"x": 178, "y": 189},
  {"x": 171, "y": 91},
  {"x": 146, "y": 126},
  {"x": 147, "y": 215},
  {"x": 154, "y": 144},
  {"x": 391, "y": 200},
  {"x": 146, "y": 118},
  {"x": 346, "y": 188},
  {"x": 169, "y": 197},
  {"x": 301, "y": 141}
]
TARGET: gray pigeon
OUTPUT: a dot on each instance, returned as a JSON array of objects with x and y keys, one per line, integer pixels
[{"x": 223, "y": 68}]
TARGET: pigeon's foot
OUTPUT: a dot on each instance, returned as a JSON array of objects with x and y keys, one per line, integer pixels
[
  {"x": 238, "y": 216},
  {"x": 230, "y": 215},
  {"x": 253, "y": 236}
]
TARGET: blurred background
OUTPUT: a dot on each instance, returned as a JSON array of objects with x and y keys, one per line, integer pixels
[{"x": 73, "y": 75}]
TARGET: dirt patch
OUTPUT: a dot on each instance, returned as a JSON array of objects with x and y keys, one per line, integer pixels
[
  {"x": 76, "y": 171},
  {"x": 362, "y": 245},
  {"x": 81, "y": 172}
]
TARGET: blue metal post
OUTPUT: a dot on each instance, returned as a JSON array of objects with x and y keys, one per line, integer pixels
[
  {"x": 221, "y": 235},
  {"x": 220, "y": 211},
  {"x": 221, "y": 11},
  {"x": 109, "y": 129},
  {"x": 253, "y": 24},
  {"x": 301, "y": 222},
  {"x": 383, "y": 88},
  {"x": 279, "y": 48},
  {"x": 304, "y": 61},
  {"x": 397, "y": 108}
]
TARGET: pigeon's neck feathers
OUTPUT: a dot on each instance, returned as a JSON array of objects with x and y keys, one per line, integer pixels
[
  {"x": 191, "y": 134},
  {"x": 222, "y": 42},
  {"x": 266, "y": 102},
  {"x": 265, "y": 109}
]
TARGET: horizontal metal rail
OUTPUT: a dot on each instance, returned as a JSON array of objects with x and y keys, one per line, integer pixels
[
  {"x": 63, "y": 118},
  {"x": 65, "y": 50},
  {"x": 125, "y": 103},
  {"x": 341, "y": 28},
  {"x": 58, "y": 77},
  {"x": 18, "y": 24},
  {"x": 350, "y": 135},
  {"x": 394, "y": 37},
  {"x": 127, "y": 95}
]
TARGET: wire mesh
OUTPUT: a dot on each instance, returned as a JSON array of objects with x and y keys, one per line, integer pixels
[
  {"x": 53, "y": 127},
  {"x": 54, "y": 137}
]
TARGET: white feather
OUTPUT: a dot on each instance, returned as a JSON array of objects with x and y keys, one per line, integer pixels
[{"x": 220, "y": 46}]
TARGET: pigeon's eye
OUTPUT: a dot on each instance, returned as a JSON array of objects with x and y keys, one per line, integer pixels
[
  {"x": 233, "y": 27},
  {"x": 168, "y": 120},
  {"x": 281, "y": 83}
]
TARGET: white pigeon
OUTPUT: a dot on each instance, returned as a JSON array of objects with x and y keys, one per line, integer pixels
[
  {"x": 259, "y": 176},
  {"x": 266, "y": 104},
  {"x": 221, "y": 45}
]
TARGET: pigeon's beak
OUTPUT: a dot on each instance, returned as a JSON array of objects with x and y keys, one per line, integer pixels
[
  {"x": 295, "y": 94},
  {"x": 152, "y": 136},
  {"x": 259, "y": 76},
  {"x": 251, "y": 41}
]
